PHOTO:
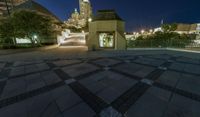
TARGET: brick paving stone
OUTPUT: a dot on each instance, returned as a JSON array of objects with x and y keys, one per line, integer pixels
[
  {"x": 109, "y": 94},
  {"x": 165, "y": 57},
  {"x": 59, "y": 115},
  {"x": 60, "y": 91},
  {"x": 23, "y": 63},
  {"x": 30, "y": 69},
  {"x": 65, "y": 62},
  {"x": 15, "y": 110},
  {"x": 182, "y": 107},
  {"x": 188, "y": 60},
  {"x": 17, "y": 71},
  {"x": 126, "y": 57},
  {"x": 79, "y": 110},
  {"x": 81, "y": 69},
  {"x": 108, "y": 85},
  {"x": 178, "y": 66},
  {"x": 42, "y": 66},
  {"x": 144, "y": 72},
  {"x": 2, "y": 65},
  {"x": 149, "y": 61},
  {"x": 52, "y": 110},
  {"x": 189, "y": 83},
  {"x": 169, "y": 78},
  {"x": 159, "y": 93},
  {"x": 106, "y": 62},
  {"x": 14, "y": 87},
  {"x": 110, "y": 112},
  {"x": 130, "y": 68},
  {"x": 152, "y": 104},
  {"x": 69, "y": 81},
  {"x": 34, "y": 81},
  {"x": 93, "y": 91},
  {"x": 37, "y": 105},
  {"x": 107, "y": 79},
  {"x": 134, "y": 69},
  {"x": 68, "y": 100},
  {"x": 50, "y": 77},
  {"x": 192, "y": 69}
]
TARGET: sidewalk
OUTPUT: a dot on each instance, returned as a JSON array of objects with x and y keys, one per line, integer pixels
[{"x": 115, "y": 84}]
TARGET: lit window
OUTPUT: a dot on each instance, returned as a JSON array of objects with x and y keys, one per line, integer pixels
[{"x": 106, "y": 40}]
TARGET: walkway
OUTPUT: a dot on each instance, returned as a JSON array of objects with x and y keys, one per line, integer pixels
[{"x": 105, "y": 84}]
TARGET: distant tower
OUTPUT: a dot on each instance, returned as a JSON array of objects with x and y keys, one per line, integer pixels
[
  {"x": 162, "y": 22},
  {"x": 80, "y": 20},
  {"x": 85, "y": 9}
]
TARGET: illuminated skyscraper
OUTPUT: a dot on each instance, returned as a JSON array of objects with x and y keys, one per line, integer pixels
[
  {"x": 85, "y": 9},
  {"x": 79, "y": 20}
]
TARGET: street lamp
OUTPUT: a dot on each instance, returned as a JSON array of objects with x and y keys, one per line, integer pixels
[
  {"x": 35, "y": 36},
  {"x": 151, "y": 30},
  {"x": 90, "y": 20},
  {"x": 142, "y": 31}
]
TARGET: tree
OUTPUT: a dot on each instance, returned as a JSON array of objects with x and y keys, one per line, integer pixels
[
  {"x": 173, "y": 27},
  {"x": 31, "y": 25},
  {"x": 26, "y": 24},
  {"x": 6, "y": 32},
  {"x": 169, "y": 27}
]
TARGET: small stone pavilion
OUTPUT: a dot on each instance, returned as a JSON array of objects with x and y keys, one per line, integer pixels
[{"x": 106, "y": 32}]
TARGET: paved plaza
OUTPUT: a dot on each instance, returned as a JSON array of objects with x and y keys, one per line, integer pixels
[{"x": 101, "y": 84}]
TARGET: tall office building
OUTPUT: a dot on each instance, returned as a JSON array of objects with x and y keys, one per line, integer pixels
[
  {"x": 80, "y": 19},
  {"x": 85, "y": 9}
]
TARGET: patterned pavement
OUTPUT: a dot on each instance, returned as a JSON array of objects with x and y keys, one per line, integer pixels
[{"x": 159, "y": 85}]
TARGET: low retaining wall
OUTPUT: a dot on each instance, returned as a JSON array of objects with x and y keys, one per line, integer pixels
[{"x": 173, "y": 49}]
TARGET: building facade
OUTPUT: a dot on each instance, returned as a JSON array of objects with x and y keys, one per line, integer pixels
[
  {"x": 106, "y": 32},
  {"x": 80, "y": 19},
  {"x": 56, "y": 23},
  {"x": 85, "y": 9},
  {"x": 4, "y": 6},
  {"x": 186, "y": 28},
  {"x": 7, "y": 5}
]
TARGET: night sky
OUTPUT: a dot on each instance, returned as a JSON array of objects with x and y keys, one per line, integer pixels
[{"x": 138, "y": 14}]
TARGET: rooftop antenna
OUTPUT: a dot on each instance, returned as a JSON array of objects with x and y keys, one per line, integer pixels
[{"x": 162, "y": 22}]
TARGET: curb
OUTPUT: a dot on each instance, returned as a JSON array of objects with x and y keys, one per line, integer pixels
[{"x": 172, "y": 49}]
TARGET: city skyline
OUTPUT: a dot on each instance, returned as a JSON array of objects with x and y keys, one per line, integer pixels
[{"x": 137, "y": 14}]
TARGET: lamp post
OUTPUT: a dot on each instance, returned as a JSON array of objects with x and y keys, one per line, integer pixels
[
  {"x": 142, "y": 31},
  {"x": 90, "y": 20}
]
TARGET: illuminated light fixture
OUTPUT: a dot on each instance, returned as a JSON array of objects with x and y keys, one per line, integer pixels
[
  {"x": 90, "y": 20},
  {"x": 142, "y": 31},
  {"x": 151, "y": 30},
  {"x": 85, "y": 0},
  {"x": 35, "y": 36}
]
